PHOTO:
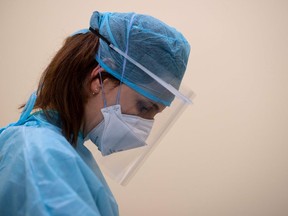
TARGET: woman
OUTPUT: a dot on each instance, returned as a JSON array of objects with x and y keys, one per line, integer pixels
[{"x": 105, "y": 84}]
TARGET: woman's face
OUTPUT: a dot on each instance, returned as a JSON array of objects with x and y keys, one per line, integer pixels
[{"x": 132, "y": 103}]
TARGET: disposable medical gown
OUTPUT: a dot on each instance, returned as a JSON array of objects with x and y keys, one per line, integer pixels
[{"x": 42, "y": 174}]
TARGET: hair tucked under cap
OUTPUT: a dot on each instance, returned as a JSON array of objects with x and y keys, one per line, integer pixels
[{"x": 155, "y": 45}]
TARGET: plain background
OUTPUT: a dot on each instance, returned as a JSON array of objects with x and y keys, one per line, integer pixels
[{"x": 228, "y": 154}]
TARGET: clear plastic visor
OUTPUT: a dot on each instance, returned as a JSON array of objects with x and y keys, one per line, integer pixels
[{"x": 122, "y": 166}]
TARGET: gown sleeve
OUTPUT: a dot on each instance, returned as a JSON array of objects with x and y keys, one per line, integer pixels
[{"x": 40, "y": 174}]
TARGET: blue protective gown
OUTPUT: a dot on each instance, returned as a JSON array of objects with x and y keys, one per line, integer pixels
[{"x": 42, "y": 174}]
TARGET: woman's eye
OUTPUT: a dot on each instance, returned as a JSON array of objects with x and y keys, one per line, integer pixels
[{"x": 143, "y": 107}]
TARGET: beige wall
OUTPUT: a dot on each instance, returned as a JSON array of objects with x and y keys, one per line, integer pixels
[{"x": 228, "y": 154}]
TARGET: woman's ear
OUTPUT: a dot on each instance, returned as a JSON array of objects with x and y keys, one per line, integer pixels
[{"x": 95, "y": 84}]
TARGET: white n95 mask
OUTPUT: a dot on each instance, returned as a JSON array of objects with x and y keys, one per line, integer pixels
[{"x": 119, "y": 132}]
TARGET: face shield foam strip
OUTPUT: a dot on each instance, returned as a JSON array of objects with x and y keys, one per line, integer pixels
[{"x": 148, "y": 72}]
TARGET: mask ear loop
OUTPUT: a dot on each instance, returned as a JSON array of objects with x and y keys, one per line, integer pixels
[
  {"x": 102, "y": 88},
  {"x": 125, "y": 60}
]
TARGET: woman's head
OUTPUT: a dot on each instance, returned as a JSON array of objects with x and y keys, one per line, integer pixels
[{"x": 84, "y": 69}]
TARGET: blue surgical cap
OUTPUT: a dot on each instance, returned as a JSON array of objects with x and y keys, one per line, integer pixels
[{"x": 158, "y": 47}]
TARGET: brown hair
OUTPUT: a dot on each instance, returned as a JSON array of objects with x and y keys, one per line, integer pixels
[{"x": 61, "y": 86}]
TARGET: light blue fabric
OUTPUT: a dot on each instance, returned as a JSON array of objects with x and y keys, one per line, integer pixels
[
  {"x": 42, "y": 174},
  {"x": 155, "y": 45}
]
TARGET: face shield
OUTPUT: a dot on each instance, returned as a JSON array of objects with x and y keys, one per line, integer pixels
[
  {"x": 123, "y": 165},
  {"x": 150, "y": 57}
]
